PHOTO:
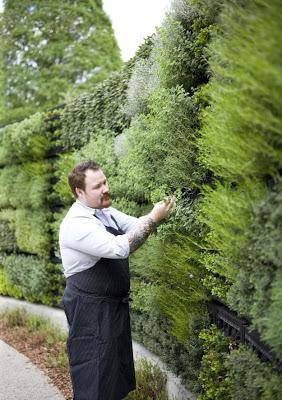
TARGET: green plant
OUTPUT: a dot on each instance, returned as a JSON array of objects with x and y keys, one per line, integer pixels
[
  {"x": 212, "y": 376},
  {"x": 16, "y": 317},
  {"x": 65, "y": 163},
  {"x": 129, "y": 206},
  {"x": 36, "y": 323},
  {"x": 27, "y": 273},
  {"x": 103, "y": 108},
  {"x": 241, "y": 132},
  {"x": 160, "y": 147},
  {"x": 7, "y": 237},
  {"x": 271, "y": 331},
  {"x": 55, "y": 227},
  {"x": 36, "y": 279},
  {"x": 66, "y": 51},
  {"x": 150, "y": 382},
  {"x": 31, "y": 230},
  {"x": 101, "y": 148},
  {"x": 240, "y": 136},
  {"x": 143, "y": 82},
  {"x": 227, "y": 210},
  {"x": 256, "y": 292},
  {"x": 24, "y": 141},
  {"x": 152, "y": 328},
  {"x": 55, "y": 285},
  {"x": 7, "y": 177},
  {"x": 182, "y": 40},
  {"x": 42, "y": 326},
  {"x": 88, "y": 114},
  {"x": 43, "y": 332},
  {"x": 61, "y": 360},
  {"x": 6, "y": 288},
  {"x": 25, "y": 186},
  {"x": 173, "y": 279},
  {"x": 249, "y": 378}
]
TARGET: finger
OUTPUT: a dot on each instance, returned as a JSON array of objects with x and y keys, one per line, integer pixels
[{"x": 172, "y": 204}]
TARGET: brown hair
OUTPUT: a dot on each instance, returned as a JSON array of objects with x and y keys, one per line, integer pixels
[{"x": 76, "y": 177}]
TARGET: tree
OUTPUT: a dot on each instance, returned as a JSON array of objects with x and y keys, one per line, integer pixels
[{"x": 52, "y": 51}]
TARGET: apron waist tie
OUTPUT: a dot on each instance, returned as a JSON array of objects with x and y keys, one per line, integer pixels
[{"x": 124, "y": 299}]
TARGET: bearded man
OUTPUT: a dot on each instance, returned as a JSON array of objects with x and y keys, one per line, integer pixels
[{"x": 95, "y": 243}]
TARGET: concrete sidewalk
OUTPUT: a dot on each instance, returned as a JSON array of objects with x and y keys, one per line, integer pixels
[{"x": 20, "y": 380}]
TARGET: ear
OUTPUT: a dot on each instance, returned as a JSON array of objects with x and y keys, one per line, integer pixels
[{"x": 78, "y": 192}]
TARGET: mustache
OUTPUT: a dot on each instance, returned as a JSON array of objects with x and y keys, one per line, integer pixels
[{"x": 106, "y": 196}]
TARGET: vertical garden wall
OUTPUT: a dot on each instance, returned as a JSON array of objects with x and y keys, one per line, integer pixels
[
  {"x": 26, "y": 212},
  {"x": 195, "y": 114}
]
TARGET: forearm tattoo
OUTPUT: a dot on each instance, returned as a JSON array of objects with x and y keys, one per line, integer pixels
[{"x": 140, "y": 233}]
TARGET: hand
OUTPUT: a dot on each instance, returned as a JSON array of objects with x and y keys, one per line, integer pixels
[{"x": 162, "y": 209}]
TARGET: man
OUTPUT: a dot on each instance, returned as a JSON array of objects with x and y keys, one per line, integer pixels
[{"x": 95, "y": 242}]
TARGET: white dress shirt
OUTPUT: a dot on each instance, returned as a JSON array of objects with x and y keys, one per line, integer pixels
[{"x": 84, "y": 239}]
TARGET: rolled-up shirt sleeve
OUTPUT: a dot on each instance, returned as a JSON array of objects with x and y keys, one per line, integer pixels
[{"x": 90, "y": 237}]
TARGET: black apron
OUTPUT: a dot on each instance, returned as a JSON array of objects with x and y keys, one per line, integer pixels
[{"x": 99, "y": 343}]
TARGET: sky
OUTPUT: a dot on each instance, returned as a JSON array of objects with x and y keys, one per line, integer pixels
[{"x": 132, "y": 21}]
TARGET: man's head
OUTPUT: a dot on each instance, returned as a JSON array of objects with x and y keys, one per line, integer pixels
[{"x": 89, "y": 185}]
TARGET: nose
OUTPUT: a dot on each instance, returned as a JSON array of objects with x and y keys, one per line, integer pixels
[{"x": 105, "y": 188}]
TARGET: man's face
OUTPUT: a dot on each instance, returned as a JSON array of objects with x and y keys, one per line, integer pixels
[{"x": 96, "y": 193}]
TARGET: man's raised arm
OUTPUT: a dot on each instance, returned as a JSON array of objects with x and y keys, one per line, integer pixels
[{"x": 148, "y": 224}]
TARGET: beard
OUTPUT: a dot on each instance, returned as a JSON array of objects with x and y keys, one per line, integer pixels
[{"x": 106, "y": 200}]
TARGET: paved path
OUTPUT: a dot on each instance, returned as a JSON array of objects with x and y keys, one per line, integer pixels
[{"x": 20, "y": 380}]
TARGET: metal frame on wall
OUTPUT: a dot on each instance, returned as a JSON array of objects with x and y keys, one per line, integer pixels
[{"x": 239, "y": 328}]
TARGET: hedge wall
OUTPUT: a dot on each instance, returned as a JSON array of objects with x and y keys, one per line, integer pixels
[
  {"x": 26, "y": 211},
  {"x": 195, "y": 114}
]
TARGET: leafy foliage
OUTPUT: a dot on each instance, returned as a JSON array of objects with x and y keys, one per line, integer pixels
[
  {"x": 142, "y": 125},
  {"x": 249, "y": 378},
  {"x": 35, "y": 278},
  {"x": 30, "y": 229},
  {"x": 24, "y": 141},
  {"x": 242, "y": 138},
  {"x": 7, "y": 237},
  {"x": 257, "y": 290},
  {"x": 229, "y": 371},
  {"x": 143, "y": 52},
  {"x": 272, "y": 325},
  {"x": 50, "y": 338},
  {"x": 182, "y": 41},
  {"x": 55, "y": 227},
  {"x": 6, "y": 288},
  {"x": 176, "y": 281},
  {"x": 64, "y": 164},
  {"x": 161, "y": 146},
  {"x": 241, "y": 129},
  {"x": 143, "y": 82},
  {"x": 102, "y": 109},
  {"x": 152, "y": 329},
  {"x": 130, "y": 207},
  {"x": 227, "y": 210},
  {"x": 52, "y": 51},
  {"x": 150, "y": 382},
  {"x": 27, "y": 185},
  {"x": 213, "y": 370}
]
